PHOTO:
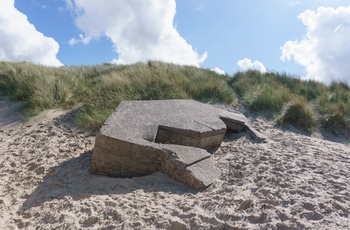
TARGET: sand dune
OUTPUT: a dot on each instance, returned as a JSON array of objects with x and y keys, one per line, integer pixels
[{"x": 293, "y": 181}]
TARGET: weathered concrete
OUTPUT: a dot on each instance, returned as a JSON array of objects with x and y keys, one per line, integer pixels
[
  {"x": 255, "y": 134},
  {"x": 142, "y": 137}
]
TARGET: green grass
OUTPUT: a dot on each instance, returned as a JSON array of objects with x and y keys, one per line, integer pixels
[
  {"x": 273, "y": 91},
  {"x": 299, "y": 114},
  {"x": 99, "y": 89},
  {"x": 334, "y": 108},
  {"x": 260, "y": 91},
  {"x": 39, "y": 87}
]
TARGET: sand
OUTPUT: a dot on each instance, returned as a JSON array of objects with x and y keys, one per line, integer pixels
[{"x": 292, "y": 181}]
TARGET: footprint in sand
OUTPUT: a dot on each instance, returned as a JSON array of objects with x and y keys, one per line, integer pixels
[
  {"x": 90, "y": 221},
  {"x": 313, "y": 216},
  {"x": 309, "y": 206},
  {"x": 282, "y": 215},
  {"x": 246, "y": 204}
]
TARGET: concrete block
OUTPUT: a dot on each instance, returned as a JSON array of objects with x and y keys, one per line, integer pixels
[{"x": 172, "y": 136}]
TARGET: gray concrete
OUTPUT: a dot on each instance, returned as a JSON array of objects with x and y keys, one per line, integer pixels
[{"x": 142, "y": 137}]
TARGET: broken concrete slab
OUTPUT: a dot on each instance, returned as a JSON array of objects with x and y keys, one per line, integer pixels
[
  {"x": 192, "y": 166},
  {"x": 142, "y": 137},
  {"x": 202, "y": 174},
  {"x": 257, "y": 136}
]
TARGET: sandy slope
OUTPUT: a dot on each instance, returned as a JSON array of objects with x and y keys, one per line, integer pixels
[{"x": 291, "y": 182}]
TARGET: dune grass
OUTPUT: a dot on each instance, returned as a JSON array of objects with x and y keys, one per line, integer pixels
[
  {"x": 299, "y": 114},
  {"x": 305, "y": 104},
  {"x": 98, "y": 90},
  {"x": 271, "y": 91},
  {"x": 334, "y": 107},
  {"x": 39, "y": 87}
]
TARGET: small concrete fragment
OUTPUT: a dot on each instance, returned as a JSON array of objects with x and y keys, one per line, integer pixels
[
  {"x": 201, "y": 175},
  {"x": 257, "y": 136},
  {"x": 192, "y": 166},
  {"x": 142, "y": 137}
]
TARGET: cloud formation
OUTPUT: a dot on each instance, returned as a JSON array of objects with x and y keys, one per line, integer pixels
[
  {"x": 82, "y": 39},
  {"x": 218, "y": 70},
  {"x": 247, "y": 64},
  {"x": 20, "y": 41},
  {"x": 140, "y": 30},
  {"x": 325, "y": 49}
]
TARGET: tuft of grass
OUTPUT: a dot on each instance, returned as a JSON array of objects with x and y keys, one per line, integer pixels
[
  {"x": 299, "y": 114},
  {"x": 268, "y": 97}
]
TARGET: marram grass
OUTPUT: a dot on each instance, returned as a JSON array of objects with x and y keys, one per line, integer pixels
[
  {"x": 299, "y": 114},
  {"x": 97, "y": 90},
  {"x": 310, "y": 104}
]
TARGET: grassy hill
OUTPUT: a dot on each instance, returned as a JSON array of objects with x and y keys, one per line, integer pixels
[{"x": 99, "y": 89}]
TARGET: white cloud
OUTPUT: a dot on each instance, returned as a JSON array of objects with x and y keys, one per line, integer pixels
[
  {"x": 325, "y": 49},
  {"x": 69, "y": 6},
  {"x": 247, "y": 64},
  {"x": 218, "y": 70},
  {"x": 20, "y": 41},
  {"x": 140, "y": 30},
  {"x": 82, "y": 39}
]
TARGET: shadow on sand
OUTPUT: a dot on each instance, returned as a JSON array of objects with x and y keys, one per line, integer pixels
[{"x": 72, "y": 178}]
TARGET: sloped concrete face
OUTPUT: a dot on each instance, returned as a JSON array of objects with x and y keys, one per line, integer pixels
[{"x": 172, "y": 136}]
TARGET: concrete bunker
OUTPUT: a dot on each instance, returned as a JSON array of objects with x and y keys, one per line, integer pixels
[{"x": 172, "y": 136}]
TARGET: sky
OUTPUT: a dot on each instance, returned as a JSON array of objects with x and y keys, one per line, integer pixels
[{"x": 306, "y": 38}]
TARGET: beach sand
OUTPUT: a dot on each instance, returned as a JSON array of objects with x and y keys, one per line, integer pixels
[{"x": 291, "y": 181}]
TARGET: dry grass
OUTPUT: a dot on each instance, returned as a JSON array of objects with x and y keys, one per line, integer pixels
[
  {"x": 273, "y": 91},
  {"x": 299, "y": 114},
  {"x": 99, "y": 89}
]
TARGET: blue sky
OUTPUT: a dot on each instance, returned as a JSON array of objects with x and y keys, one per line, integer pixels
[{"x": 307, "y": 37}]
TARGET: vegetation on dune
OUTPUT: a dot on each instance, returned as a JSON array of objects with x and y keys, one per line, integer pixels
[
  {"x": 271, "y": 91},
  {"x": 299, "y": 114},
  {"x": 334, "y": 108},
  {"x": 305, "y": 104},
  {"x": 98, "y": 90}
]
